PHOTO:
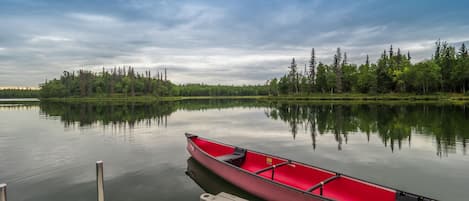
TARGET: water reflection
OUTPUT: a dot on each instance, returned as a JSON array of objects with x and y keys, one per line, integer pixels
[
  {"x": 130, "y": 113},
  {"x": 212, "y": 183},
  {"x": 16, "y": 106},
  {"x": 393, "y": 123},
  {"x": 123, "y": 114}
]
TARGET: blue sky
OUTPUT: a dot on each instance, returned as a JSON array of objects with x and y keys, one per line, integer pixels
[{"x": 228, "y": 42}]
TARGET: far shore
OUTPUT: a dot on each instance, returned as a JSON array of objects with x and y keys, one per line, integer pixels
[{"x": 302, "y": 98}]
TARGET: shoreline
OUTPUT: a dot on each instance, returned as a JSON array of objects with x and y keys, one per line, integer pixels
[{"x": 293, "y": 98}]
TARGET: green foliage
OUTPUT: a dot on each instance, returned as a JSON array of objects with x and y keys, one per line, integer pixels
[
  {"x": 273, "y": 87},
  {"x": 106, "y": 83},
  {"x": 393, "y": 72},
  {"x": 460, "y": 73},
  {"x": 19, "y": 93},
  {"x": 425, "y": 76},
  {"x": 366, "y": 78},
  {"x": 54, "y": 88},
  {"x": 331, "y": 79},
  {"x": 118, "y": 81},
  {"x": 349, "y": 77},
  {"x": 220, "y": 90},
  {"x": 321, "y": 78}
]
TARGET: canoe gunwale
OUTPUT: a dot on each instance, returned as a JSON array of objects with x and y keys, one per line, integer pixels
[
  {"x": 250, "y": 173},
  {"x": 398, "y": 193}
]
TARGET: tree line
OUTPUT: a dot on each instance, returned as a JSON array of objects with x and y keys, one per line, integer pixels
[
  {"x": 221, "y": 90},
  {"x": 19, "y": 93},
  {"x": 85, "y": 83},
  {"x": 446, "y": 71},
  {"x": 127, "y": 82}
]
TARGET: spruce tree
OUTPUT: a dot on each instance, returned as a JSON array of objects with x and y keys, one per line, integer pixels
[
  {"x": 293, "y": 77},
  {"x": 312, "y": 66},
  {"x": 338, "y": 71}
]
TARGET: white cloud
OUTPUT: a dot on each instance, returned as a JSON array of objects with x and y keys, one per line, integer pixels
[
  {"x": 92, "y": 17},
  {"x": 209, "y": 42},
  {"x": 36, "y": 39}
]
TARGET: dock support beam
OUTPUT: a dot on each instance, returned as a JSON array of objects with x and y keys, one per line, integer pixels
[
  {"x": 3, "y": 192},
  {"x": 99, "y": 180}
]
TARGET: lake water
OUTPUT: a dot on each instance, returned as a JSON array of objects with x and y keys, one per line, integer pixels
[{"x": 48, "y": 150}]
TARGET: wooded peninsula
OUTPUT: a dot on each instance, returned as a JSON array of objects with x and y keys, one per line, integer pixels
[{"x": 393, "y": 75}]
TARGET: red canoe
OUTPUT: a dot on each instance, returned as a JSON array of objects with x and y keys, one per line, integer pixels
[{"x": 275, "y": 178}]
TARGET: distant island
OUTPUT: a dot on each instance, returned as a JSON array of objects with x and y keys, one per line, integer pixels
[{"x": 393, "y": 76}]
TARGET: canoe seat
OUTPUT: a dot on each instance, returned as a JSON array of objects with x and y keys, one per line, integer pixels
[{"x": 236, "y": 158}]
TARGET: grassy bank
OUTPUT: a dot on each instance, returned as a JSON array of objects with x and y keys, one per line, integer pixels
[
  {"x": 145, "y": 99},
  {"x": 303, "y": 98},
  {"x": 368, "y": 97}
]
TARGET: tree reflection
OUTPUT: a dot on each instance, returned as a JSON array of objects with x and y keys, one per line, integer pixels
[
  {"x": 393, "y": 123},
  {"x": 130, "y": 113}
]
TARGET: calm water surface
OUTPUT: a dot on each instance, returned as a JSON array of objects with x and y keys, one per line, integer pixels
[{"x": 48, "y": 150}]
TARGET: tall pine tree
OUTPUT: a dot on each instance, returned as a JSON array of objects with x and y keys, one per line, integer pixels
[
  {"x": 312, "y": 69},
  {"x": 338, "y": 71}
]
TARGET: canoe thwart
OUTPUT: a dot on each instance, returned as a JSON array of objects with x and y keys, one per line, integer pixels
[
  {"x": 322, "y": 183},
  {"x": 272, "y": 167}
]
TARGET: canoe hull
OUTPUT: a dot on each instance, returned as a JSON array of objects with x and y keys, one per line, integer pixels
[
  {"x": 253, "y": 184},
  {"x": 278, "y": 179}
]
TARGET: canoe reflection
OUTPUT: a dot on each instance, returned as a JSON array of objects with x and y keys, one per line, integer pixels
[{"x": 212, "y": 183}]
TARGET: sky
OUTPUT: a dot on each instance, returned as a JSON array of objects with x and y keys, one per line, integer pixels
[{"x": 214, "y": 42}]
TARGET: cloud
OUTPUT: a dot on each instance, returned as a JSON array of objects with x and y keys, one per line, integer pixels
[
  {"x": 92, "y": 18},
  {"x": 230, "y": 42},
  {"x": 36, "y": 39}
]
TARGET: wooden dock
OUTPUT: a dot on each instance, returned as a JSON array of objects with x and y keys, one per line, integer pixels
[{"x": 220, "y": 197}]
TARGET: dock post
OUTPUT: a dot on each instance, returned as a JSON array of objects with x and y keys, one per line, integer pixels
[
  {"x": 99, "y": 180},
  {"x": 3, "y": 192}
]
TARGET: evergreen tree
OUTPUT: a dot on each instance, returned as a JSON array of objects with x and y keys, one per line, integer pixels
[
  {"x": 331, "y": 77},
  {"x": 366, "y": 78},
  {"x": 383, "y": 79},
  {"x": 446, "y": 59},
  {"x": 460, "y": 73},
  {"x": 344, "y": 61},
  {"x": 312, "y": 68},
  {"x": 321, "y": 78},
  {"x": 338, "y": 71},
  {"x": 273, "y": 87},
  {"x": 293, "y": 77},
  {"x": 463, "y": 50},
  {"x": 437, "y": 54}
]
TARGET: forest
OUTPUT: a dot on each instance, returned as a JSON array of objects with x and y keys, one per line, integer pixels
[
  {"x": 125, "y": 82},
  {"x": 446, "y": 71},
  {"x": 19, "y": 93},
  {"x": 85, "y": 83}
]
